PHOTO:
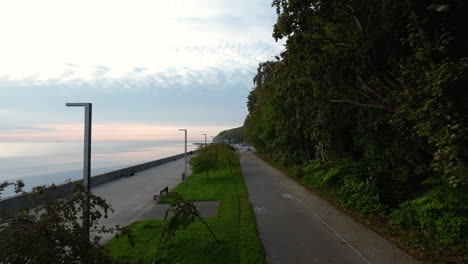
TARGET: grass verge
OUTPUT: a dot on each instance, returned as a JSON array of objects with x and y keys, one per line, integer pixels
[{"x": 234, "y": 226}]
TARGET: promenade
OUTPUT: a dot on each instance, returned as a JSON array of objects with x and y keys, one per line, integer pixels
[
  {"x": 132, "y": 197},
  {"x": 295, "y": 225}
]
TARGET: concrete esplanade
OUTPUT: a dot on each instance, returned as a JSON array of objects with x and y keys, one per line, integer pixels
[{"x": 24, "y": 201}]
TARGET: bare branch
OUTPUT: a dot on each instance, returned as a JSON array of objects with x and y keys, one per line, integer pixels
[
  {"x": 376, "y": 106},
  {"x": 358, "y": 90},
  {"x": 368, "y": 88},
  {"x": 337, "y": 43},
  {"x": 356, "y": 19}
]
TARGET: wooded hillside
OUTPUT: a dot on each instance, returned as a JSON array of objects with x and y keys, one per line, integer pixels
[
  {"x": 369, "y": 102},
  {"x": 234, "y": 135}
]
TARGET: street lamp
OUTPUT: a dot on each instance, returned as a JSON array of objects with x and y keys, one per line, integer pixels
[
  {"x": 212, "y": 139},
  {"x": 205, "y": 138},
  {"x": 86, "y": 161},
  {"x": 185, "y": 130}
]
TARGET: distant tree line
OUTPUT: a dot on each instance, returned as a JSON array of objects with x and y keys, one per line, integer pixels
[{"x": 377, "y": 92}]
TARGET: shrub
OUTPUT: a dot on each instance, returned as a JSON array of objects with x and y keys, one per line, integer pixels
[
  {"x": 362, "y": 196},
  {"x": 51, "y": 232},
  {"x": 348, "y": 182},
  {"x": 440, "y": 214},
  {"x": 298, "y": 171}
]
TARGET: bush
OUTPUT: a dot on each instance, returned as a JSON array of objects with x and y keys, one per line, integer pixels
[
  {"x": 348, "y": 182},
  {"x": 298, "y": 171},
  {"x": 320, "y": 176},
  {"x": 51, "y": 232},
  {"x": 439, "y": 214},
  {"x": 362, "y": 196}
]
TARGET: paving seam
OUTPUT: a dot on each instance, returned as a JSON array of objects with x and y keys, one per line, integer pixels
[{"x": 141, "y": 213}]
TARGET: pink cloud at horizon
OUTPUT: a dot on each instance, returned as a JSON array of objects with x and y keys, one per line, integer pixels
[{"x": 110, "y": 132}]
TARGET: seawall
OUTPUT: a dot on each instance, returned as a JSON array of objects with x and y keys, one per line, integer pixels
[{"x": 27, "y": 200}]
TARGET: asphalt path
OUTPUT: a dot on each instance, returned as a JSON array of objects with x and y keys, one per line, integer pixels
[
  {"x": 296, "y": 226},
  {"x": 132, "y": 197}
]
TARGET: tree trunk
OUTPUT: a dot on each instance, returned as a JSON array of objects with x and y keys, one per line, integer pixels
[{"x": 209, "y": 229}]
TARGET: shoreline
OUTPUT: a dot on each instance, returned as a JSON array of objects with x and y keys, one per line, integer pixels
[
  {"x": 20, "y": 201},
  {"x": 46, "y": 163}
]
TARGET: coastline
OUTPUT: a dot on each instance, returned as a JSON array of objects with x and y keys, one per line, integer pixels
[{"x": 20, "y": 201}]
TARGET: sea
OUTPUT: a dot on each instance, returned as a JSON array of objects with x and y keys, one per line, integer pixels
[{"x": 44, "y": 163}]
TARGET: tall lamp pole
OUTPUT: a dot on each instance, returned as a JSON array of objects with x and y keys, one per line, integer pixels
[
  {"x": 205, "y": 138},
  {"x": 185, "y": 130},
  {"x": 86, "y": 161}
]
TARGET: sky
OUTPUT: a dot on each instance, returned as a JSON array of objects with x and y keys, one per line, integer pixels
[{"x": 149, "y": 67}]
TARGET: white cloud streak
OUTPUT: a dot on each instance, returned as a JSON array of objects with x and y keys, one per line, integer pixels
[
  {"x": 177, "y": 62},
  {"x": 40, "y": 37},
  {"x": 107, "y": 132}
]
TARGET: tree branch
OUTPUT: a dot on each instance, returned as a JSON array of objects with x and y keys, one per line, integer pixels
[
  {"x": 425, "y": 38},
  {"x": 358, "y": 90},
  {"x": 368, "y": 88},
  {"x": 334, "y": 42},
  {"x": 356, "y": 19},
  {"x": 376, "y": 106}
]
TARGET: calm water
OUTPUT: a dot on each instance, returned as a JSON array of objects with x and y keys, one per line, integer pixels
[{"x": 38, "y": 163}]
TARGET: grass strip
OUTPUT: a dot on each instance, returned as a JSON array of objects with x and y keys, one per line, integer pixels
[{"x": 234, "y": 225}]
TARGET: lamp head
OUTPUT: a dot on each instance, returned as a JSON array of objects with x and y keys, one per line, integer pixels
[{"x": 78, "y": 104}]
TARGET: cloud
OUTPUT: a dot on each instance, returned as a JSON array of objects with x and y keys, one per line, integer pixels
[
  {"x": 185, "y": 79},
  {"x": 10, "y": 128},
  {"x": 109, "y": 132},
  {"x": 139, "y": 69},
  {"x": 178, "y": 96},
  {"x": 123, "y": 35},
  {"x": 101, "y": 71},
  {"x": 172, "y": 62}
]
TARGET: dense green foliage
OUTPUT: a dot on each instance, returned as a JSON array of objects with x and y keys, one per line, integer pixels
[
  {"x": 182, "y": 214},
  {"x": 52, "y": 232},
  {"x": 234, "y": 135},
  {"x": 213, "y": 156},
  {"x": 369, "y": 101},
  {"x": 234, "y": 225}
]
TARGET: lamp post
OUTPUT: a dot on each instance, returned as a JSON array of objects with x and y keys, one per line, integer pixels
[
  {"x": 205, "y": 138},
  {"x": 185, "y": 130},
  {"x": 212, "y": 139},
  {"x": 86, "y": 161}
]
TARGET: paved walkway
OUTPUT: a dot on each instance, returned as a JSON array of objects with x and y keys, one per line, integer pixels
[
  {"x": 298, "y": 227},
  {"x": 132, "y": 197}
]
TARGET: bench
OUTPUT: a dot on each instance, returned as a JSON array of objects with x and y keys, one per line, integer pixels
[{"x": 157, "y": 196}]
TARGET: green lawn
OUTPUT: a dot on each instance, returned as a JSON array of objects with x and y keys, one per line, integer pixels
[{"x": 234, "y": 226}]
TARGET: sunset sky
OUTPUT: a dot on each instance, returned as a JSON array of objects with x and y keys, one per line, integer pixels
[{"x": 149, "y": 67}]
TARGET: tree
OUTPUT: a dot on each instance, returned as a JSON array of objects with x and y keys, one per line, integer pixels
[
  {"x": 380, "y": 84},
  {"x": 228, "y": 157},
  {"x": 183, "y": 213},
  {"x": 51, "y": 232},
  {"x": 204, "y": 161}
]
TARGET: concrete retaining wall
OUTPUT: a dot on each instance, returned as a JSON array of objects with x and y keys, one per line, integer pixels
[{"x": 23, "y": 201}]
